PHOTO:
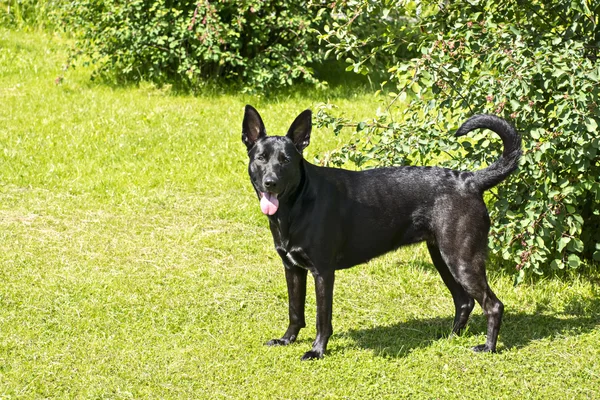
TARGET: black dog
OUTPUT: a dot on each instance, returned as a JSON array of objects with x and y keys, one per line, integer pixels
[{"x": 325, "y": 219}]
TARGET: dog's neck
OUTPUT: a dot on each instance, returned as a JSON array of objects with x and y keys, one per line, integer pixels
[{"x": 283, "y": 219}]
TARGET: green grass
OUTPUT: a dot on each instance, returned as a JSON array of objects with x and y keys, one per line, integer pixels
[{"x": 135, "y": 263}]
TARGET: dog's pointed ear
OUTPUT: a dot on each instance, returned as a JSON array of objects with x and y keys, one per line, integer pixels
[
  {"x": 299, "y": 132},
  {"x": 252, "y": 127}
]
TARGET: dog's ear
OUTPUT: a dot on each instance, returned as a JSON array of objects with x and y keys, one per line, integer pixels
[
  {"x": 299, "y": 132},
  {"x": 252, "y": 127}
]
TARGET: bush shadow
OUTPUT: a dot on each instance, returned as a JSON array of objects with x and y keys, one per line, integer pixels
[{"x": 339, "y": 84}]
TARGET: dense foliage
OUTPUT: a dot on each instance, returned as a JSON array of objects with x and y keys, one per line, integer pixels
[
  {"x": 534, "y": 63},
  {"x": 260, "y": 44}
]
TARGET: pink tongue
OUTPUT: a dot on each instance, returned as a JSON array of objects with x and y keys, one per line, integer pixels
[{"x": 268, "y": 203}]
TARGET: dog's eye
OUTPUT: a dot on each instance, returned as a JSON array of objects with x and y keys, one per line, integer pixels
[
  {"x": 285, "y": 160},
  {"x": 260, "y": 157}
]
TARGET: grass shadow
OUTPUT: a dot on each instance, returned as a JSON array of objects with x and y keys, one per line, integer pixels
[
  {"x": 519, "y": 329},
  {"x": 339, "y": 85}
]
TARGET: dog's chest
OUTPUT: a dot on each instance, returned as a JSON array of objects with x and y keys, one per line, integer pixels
[
  {"x": 296, "y": 258},
  {"x": 290, "y": 253},
  {"x": 300, "y": 259}
]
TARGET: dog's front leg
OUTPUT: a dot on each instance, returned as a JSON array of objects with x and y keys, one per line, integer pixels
[
  {"x": 295, "y": 278},
  {"x": 324, "y": 291}
]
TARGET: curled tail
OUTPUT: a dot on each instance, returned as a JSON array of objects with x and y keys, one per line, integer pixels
[{"x": 509, "y": 160}]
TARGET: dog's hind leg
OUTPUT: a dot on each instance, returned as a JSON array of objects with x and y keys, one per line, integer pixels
[
  {"x": 463, "y": 303},
  {"x": 295, "y": 278},
  {"x": 466, "y": 262},
  {"x": 493, "y": 310}
]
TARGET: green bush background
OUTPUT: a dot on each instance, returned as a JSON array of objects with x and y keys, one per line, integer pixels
[
  {"x": 535, "y": 64},
  {"x": 259, "y": 45}
]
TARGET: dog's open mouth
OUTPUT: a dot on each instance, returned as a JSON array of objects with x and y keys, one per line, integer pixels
[{"x": 269, "y": 203}]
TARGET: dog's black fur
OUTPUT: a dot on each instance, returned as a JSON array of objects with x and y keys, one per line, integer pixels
[{"x": 325, "y": 219}]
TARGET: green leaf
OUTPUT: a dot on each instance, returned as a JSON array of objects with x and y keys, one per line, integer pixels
[
  {"x": 536, "y": 133},
  {"x": 591, "y": 125},
  {"x": 415, "y": 88},
  {"x": 558, "y": 73},
  {"x": 576, "y": 245},
  {"x": 557, "y": 264},
  {"x": 573, "y": 261},
  {"x": 519, "y": 277},
  {"x": 540, "y": 241},
  {"x": 562, "y": 242}
]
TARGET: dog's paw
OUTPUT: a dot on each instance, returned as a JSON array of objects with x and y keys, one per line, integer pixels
[
  {"x": 312, "y": 355},
  {"x": 279, "y": 342},
  {"x": 483, "y": 348}
]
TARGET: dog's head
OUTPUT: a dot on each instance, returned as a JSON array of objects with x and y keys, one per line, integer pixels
[{"x": 275, "y": 165}]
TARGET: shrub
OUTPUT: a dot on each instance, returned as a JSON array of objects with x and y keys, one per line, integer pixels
[
  {"x": 260, "y": 44},
  {"x": 534, "y": 63}
]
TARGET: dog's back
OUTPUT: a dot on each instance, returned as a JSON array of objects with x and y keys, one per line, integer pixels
[{"x": 368, "y": 213}]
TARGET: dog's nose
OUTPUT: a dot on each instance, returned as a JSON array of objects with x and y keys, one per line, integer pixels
[{"x": 270, "y": 183}]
